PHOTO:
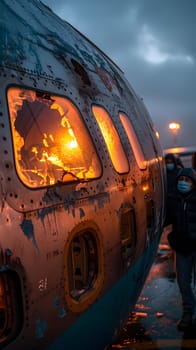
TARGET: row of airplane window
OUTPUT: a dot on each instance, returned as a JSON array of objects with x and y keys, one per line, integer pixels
[{"x": 52, "y": 144}]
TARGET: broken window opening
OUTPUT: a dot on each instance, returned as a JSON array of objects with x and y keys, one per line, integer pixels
[
  {"x": 51, "y": 142},
  {"x": 83, "y": 264}
]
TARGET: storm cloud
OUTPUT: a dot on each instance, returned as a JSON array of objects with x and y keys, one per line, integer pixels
[{"x": 153, "y": 42}]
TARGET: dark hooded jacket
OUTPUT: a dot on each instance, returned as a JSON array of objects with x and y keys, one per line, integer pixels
[
  {"x": 171, "y": 174},
  {"x": 182, "y": 215}
]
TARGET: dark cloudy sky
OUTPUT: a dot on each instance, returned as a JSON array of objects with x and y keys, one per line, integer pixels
[{"x": 154, "y": 43}]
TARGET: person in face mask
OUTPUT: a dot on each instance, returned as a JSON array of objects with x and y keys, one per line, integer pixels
[{"x": 181, "y": 214}]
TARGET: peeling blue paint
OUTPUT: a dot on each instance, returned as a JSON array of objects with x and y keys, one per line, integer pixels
[
  {"x": 101, "y": 202},
  {"x": 123, "y": 206},
  {"x": 62, "y": 312},
  {"x": 56, "y": 303},
  {"x": 40, "y": 328},
  {"x": 101, "y": 187},
  {"x": 82, "y": 213},
  {"x": 66, "y": 206},
  {"x": 70, "y": 202},
  {"x": 102, "y": 198},
  {"x": 43, "y": 212},
  {"x": 28, "y": 229},
  {"x": 58, "y": 43},
  {"x": 118, "y": 213},
  {"x": 51, "y": 195},
  {"x": 8, "y": 252},
  {"x": 91, "y": 200},
  {"x": 86, "y": 56}
]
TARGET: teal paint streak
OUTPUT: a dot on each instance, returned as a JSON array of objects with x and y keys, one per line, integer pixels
[
  {"x": 82, "y": 213},
  {"x": 56, "y": 303},
  {"x": 28, "y": 230},
  {"x": 62, "y": 313},
  {"x": 40, "y": 328}
]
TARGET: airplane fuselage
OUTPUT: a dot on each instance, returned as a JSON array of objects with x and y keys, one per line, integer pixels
[{"x": 82, "y": 186}]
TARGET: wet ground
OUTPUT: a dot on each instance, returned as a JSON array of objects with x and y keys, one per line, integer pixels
[{"x": 152, "y": 324}]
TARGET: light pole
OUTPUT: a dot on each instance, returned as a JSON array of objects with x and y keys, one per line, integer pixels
[{"x": 174, "y": 127}]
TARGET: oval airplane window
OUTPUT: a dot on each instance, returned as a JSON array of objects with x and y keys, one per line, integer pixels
[
  {"x": 133, "y": 139},
  {"x": 51, "y": 142},
  {"x": 83, "y": 269},
  {"x": 112, "y": 139},
  {"x": 128, "y": 233}
]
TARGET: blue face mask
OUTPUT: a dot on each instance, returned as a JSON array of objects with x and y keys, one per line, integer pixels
[
  {"x": 170, "y": 166},
  {"x": 184, "y": 186}
]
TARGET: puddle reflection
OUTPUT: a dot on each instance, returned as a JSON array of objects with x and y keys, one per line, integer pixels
[{"x": 153, "y": 324}]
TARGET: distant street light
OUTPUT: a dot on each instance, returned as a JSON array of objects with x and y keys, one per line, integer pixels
[{"x": 174, "y": 127}]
